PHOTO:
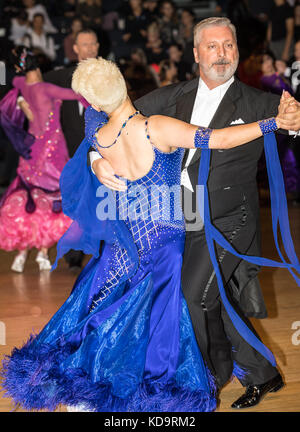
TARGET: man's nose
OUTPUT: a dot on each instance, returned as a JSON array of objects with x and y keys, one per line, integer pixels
[{"x": 221, "y": 51}]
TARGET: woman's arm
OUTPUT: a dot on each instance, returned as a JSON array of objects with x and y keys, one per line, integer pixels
[
  {"x": 56, "y": 92},
  {"x": 167, "y": 133},
  {"x": 18, "y": 82}
]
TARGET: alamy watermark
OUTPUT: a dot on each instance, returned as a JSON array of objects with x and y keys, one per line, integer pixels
[
  {"x": 155, "y": 202},
  {"x": 296, "y": 334}
]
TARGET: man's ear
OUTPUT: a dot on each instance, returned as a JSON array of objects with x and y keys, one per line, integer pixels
[
  {"x": 196, "y": 55},
  {"x": 75, "y": 48}
]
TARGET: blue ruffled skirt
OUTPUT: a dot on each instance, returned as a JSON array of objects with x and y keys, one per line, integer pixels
[{"x": 117, "y": 344}]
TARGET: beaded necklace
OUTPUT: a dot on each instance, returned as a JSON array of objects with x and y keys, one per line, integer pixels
[{"x": 95, "y": 142}]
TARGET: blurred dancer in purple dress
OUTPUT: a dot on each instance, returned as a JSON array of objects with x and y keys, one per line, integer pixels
[
  {"x": 30, "y": 210},
  {"x": 272, "y": 81}
]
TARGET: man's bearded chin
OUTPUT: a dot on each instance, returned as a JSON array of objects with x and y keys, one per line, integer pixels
[{"x": 220, "y": 74}]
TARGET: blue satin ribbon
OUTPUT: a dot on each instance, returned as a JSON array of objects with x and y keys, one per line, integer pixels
[{"x": 279, "y": 218}]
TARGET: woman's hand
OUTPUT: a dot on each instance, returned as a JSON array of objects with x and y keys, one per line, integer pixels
[{"x": 26, "y": 110}]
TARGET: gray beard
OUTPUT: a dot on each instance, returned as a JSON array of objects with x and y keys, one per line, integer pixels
[{"x": 214, "y": 75}]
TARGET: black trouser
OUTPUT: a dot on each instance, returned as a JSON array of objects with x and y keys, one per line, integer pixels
[{"x": 218, "y": 340}]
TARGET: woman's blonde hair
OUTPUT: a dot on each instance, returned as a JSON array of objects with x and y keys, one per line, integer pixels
[{"x": 101, "y": 83}]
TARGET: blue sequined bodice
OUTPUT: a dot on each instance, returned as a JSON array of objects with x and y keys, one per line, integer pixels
[{"x": 153, "y": 203}]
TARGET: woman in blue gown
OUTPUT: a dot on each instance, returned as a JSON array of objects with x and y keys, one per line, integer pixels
[{"x": 123, "y": 340}]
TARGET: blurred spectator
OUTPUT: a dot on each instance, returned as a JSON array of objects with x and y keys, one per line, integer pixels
[
  {"x": 19, "y": 27},
  {"x": 69, "y": 9},
  {"x": 167, "y": 73},
  {"x": 281, "y": 30},
  {"x": 249, "y": 70},
  {"x": 168, "y": 22},
  {"x": 297, "y": 21},
  {"x": 136, "y": 22},
  {"x": 152, "y": 7},
  {"x": 40, "y": 42},
  {"x": 140, "y": 78},
  {"x": 138, "y": 56},
  {"x": 69, "y": 41},
  {"x": 155, "y": 49},
  {"x": 237, "y": 11},
  {"x": 186, "y": 27},
  {"x": 175, "y": 54},
  {"x": 260, "y": 9},
  {"x": 221, "y": 7},
  {"x": 271, "y": 80},
  {"x": 33, "y": 9},
  {"x": 292, "y": 70},
  {"x": 90, "y": 12}
]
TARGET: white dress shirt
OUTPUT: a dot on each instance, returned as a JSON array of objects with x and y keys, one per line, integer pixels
[{"x": 205, "y": 106}]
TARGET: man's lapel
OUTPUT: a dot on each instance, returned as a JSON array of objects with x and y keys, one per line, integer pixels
[
  {"x": 224, "y": 112},
  {"x": 185, "y": 104}
]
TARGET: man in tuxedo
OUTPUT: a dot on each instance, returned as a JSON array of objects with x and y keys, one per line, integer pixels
[
  {"x": 72, "y": 112},
  {"x": 217, "y": 100}
]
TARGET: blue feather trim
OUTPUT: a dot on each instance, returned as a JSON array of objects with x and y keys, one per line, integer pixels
[{"x": 32, "y": 377}]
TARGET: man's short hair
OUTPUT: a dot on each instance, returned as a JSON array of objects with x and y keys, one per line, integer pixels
[
  {"x": 101, "y": 83},
  {"x": 212, "y": 22},
  {"x": 85, "y": 31}
]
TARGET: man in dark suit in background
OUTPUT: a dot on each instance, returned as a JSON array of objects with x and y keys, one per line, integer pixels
[
  {"x": 72, "y": 112},
  {"x": 218, "y": 100}
]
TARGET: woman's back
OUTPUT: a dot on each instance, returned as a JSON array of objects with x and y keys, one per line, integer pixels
[
  {"x": 133, "y": 154},
  {"x": 41, "y": 97}
]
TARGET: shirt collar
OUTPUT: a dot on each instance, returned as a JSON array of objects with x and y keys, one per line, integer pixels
[{"x": 218, "y": 91}]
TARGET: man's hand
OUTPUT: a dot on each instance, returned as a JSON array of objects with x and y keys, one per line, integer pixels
[
  {"x": 289, "y": 112},
  {"x": 106, "y": 175}
]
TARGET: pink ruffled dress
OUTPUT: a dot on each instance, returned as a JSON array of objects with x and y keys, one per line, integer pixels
[{"x": 30, "y": 210}]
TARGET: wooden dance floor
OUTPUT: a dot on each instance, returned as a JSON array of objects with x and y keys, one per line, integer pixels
[{"x": 28, "y": 300}]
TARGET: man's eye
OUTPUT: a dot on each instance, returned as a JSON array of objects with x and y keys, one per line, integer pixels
[
  {"x": 211, "y": 46},
  {"x": 230, "y": 45}
]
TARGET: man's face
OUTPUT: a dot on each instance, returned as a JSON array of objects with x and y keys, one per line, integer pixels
[
  {"x": 76, "y": 26},
  {"x": 175, "y": 54},
  {"x": 217, "y": 54},
  {"x": 167, "y": 9},
  {"x": 135, "y": 3},
  {"x": 86, "y": 46},
  {"x": 38, "y": 23},
  {"x": 28, "y": 3}
]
